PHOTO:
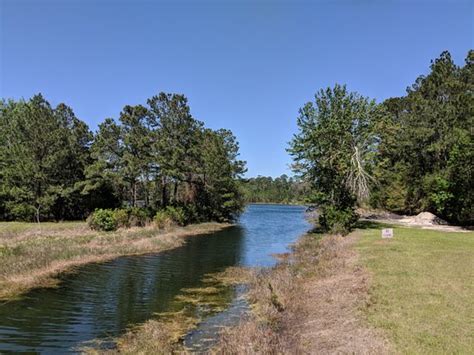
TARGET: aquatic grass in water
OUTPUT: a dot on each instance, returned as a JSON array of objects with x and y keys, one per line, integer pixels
[{"x": 106, "y": 300}]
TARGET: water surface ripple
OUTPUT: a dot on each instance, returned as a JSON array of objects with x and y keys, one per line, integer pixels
[{"x": 102, "y": 300}]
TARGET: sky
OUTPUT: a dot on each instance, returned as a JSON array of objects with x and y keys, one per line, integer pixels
[{"x": 244, "y": 65}]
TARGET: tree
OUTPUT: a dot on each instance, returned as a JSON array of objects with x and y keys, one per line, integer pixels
[
  {"x": 333, "y": 150},
  {"x": 175, "y": 148},
  {"x": 44, "y": 155},
  {"x": 282, "y": 189},
  {"x": 52, "y": 167},
  {"x": 425, "y": 153},
  {"x": 136, "y": 155},
  {"x": 220, "y": 169}
]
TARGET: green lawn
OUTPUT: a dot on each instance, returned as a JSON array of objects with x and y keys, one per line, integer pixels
[{"x": 422, "y": 288}]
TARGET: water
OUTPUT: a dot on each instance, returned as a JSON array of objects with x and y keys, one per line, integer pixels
[{"x": 101, "y": 301}]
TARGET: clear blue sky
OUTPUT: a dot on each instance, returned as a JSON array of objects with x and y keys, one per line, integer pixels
[{"x": 244, "y": 65}]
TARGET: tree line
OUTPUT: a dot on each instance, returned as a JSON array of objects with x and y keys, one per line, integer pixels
[
  {"x": 52, "y": 167},
  {"x": 407, "y": 154},
  {"x": 282, "y": 189}
]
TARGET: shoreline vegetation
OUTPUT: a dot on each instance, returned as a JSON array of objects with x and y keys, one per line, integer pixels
[
  {"x": 33, "y": 255},
  {"x": 309, "y": 302},
  {"x": 352, "y": 294},
  {"x": 362, "y": 294},
  {"x": 164, "y": 333}
]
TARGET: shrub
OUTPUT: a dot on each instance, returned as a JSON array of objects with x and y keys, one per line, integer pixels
[
  {"x": 192, "y": 214},
  {"x": 122, "y": 218},
  {"x": 170, "y": 216},
  {"x": 337, "y": 221},
  {"x": 103, "y": 220},
  {"x": 138, "y": 217},
  {"x": 163, "y": 220},
  {"x": 177, "y": 214}
]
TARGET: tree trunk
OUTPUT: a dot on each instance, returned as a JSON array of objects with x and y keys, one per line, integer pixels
[
  {"x": 135, "y": 193},
  {"x": 38, "y": 214},
  {"x": 164, "y": 197},
  {"x": 175, "y": 192}
]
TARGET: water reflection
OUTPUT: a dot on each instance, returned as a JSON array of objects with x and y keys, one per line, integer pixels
[{"x": 102, "y": 300}]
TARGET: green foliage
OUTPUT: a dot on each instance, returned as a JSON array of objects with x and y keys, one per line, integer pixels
[
  {"x": 171, "y": 216},
  {"x": 138, "y": 217},
  {"x": 103, "y": 220},
  {"x": 282, "y": 189},
  {"x": 191, "y": 213},
  {"x": 153, "y": 156},
  {"x": 337, "y": 221},
  {"x": 425, "y": 150},
  {"x": 43, "y": 154},
  {"x": 333, "y": 151},
  {"x": 177, "y": 215},
  {"x": 162, "y": 220},
  {"x": 122, "y": 218},
  {"x": 406, "y": 155}
]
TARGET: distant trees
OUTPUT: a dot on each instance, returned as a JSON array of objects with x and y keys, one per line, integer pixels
[
  {"x": 283, "y": 189},
  {"x": 408, "y": 154},
  {"x": 53, "y": 167}
]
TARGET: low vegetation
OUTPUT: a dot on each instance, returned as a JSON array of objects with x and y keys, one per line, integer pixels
[
  {"x": 363, "y": 294},
  {"x": 165, "y": 332},
  {"x": 32, "y": 254},
  {"x": 422, "y": 289},
  {"x": 308, "y": 303}
]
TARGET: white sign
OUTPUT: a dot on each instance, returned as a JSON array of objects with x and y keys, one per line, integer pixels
[{"x": 387, "y": 233}]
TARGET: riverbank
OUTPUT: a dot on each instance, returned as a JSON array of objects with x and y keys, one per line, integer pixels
[
  {"x": 309, "y": 303},
  {"x": 362, "y": 294},
  {"x": 33, "y": 255}
]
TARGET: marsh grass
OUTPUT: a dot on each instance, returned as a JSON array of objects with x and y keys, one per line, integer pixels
[
  {"x": 32, "y": 255},
  {"x": 165, "y": 332},
  {"x": 422, "y": 288}
]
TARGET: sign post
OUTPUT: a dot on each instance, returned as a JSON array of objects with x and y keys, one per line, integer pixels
[{"x": 387, "y": 233}]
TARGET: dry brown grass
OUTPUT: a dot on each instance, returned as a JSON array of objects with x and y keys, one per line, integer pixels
[
  {"x": 32, "y": 256},
  {"x": 309, "y": 303}
]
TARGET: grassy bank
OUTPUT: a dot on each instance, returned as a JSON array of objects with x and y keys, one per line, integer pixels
[
  {"x": 422, "y": 288},
  {"x": 309, "y": 303},
  {"x": 362, "y": 294},
  {"x": 31, "y": 255}
]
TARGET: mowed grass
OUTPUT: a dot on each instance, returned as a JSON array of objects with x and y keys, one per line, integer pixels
[
  {"x": 422, "y": 292},
  {"x": 32, "y": 255}
]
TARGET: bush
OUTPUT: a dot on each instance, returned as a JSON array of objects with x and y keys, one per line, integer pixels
[
  {"x": 177, "y": 214},
  {"x": 138, "y": 217},
  {"x": 170, "y": 216},
  {"x": 163, "y": 220},
  {"x": 103, "y": 220},
  {"x": 337, "y": 221},
  {"x": 122, "y": 218},
  {"x": 192, "y": 214}
]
